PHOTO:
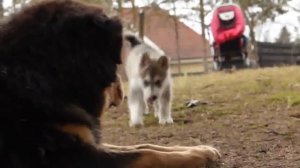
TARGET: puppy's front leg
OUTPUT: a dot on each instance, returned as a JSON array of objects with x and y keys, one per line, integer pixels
[
  {"x": 136, "y": 106},
  {"x": 164, "y": 114},
  {"x": 156, "y": 108}
]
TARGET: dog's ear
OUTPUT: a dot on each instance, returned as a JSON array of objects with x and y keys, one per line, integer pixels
[
  {"x": 163, "y": 62},
  {"x": 145, "y": 61},
  {"x": 115, "y": 28}
]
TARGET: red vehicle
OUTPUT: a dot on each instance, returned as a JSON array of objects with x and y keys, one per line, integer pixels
[{"x": 230, "y": 45}]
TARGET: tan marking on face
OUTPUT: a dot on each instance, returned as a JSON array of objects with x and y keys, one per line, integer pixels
[{"x": 114, "y": 93}]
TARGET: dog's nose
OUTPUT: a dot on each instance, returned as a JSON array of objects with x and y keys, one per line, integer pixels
[{"x": 152, "y": 99}]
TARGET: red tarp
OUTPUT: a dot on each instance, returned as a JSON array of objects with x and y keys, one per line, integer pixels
[{"x": 221, "y": 34}]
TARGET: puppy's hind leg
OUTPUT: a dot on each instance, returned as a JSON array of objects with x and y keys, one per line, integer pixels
[
  {"x": 164, "y": 113},
  {"x": 136, "y": 106}
]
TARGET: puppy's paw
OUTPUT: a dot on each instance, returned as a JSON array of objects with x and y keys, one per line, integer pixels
[
  {"x": 136, "y": 124},
  {"x": 155, "y": 114},
  {"x": 163, "y": 121},
  {"x": 146, "y": 112}
]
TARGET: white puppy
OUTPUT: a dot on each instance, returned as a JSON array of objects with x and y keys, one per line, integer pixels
[{"x": 150, "y": 82}]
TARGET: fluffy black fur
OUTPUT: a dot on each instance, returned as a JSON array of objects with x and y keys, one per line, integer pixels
[{"x": 55, "y": 56}]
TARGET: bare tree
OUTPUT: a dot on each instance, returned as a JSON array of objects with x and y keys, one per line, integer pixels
[
  {"x": 202, "y": 15},
  {"x": 134, "y": 13},
  {"x": 175, "y": 20},
  {"x": 284, "y": 36},
  {"x": 120, "y": 6},
  {"x": 142, "y": 24},
  {"x": 269, "y": 9},
  {"x": 106, "y": 4},
  {"x": 1, "y": 9}
]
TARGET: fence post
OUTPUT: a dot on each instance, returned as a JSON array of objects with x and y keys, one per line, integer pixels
[{"x": 293, "y": 60}]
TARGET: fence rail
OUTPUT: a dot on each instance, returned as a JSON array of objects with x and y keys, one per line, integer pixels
[{"x": 274, "y": 54}]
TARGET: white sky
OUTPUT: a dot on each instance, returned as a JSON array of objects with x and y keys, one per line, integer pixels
[
  {"x": 268, "y": 31},
  {"x": 7, "y": 3}
]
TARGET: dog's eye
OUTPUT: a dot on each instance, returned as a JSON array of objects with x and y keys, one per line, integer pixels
[
  {"x": 157, "y": 83},
  {"x": 146, "y": 83}
]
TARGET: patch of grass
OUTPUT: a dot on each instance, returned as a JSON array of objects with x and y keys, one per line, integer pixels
[
  {"x": 178, "y": 107},
  {"x": 251, "y": 87},
  {"x": 150, "y": 119},
  {"x": 288, "y": 97},
  {"x": 255, "y": 87}
]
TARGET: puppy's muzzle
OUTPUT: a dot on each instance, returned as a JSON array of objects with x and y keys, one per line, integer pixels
[{"x": 152, "y": 99}]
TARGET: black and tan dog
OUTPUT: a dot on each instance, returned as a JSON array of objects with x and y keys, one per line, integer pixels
[{"x": 56, "y": 60}]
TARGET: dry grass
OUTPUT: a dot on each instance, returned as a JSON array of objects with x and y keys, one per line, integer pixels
[
  {"x": 253, "y": 86},
  {"x": 185, "y": 68},
  {"x": 252, "y": 117}
]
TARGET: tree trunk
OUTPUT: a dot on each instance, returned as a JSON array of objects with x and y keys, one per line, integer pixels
[
  {"x": 134, "y": 13},
  {"x": 110, "y": 5},
  {"x": 203, "y": 35},
  {"x": 120, "y": 6},
  {"x": 253, "y": 46},
  {"x": 23, "y": 3},
  {"x": 176, "y": 38},
  {"x": 177, "y": 44},
  {"x": 1, "y": 9},
  {"x": 141, "y": 24},
  {"x": 14, "y": 5}
]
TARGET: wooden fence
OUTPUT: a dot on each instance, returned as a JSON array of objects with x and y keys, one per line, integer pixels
[{"x": 276, "y": 54}]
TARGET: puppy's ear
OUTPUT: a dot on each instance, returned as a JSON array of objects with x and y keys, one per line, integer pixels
[
  {"x": 145, "y": 61},
  {"x": 163, "y": 62}
]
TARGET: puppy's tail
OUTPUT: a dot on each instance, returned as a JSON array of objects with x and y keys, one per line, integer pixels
[{"x": 133, "y": 40}]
